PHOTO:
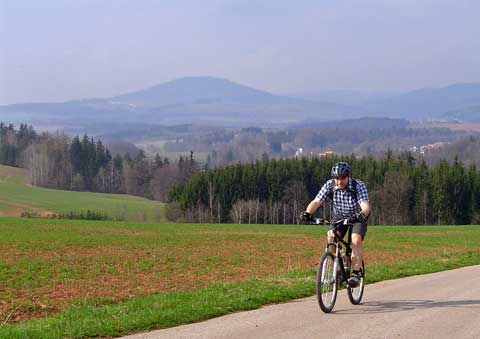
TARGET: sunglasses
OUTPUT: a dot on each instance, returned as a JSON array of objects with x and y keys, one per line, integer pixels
[{"x": 341, "y": 178}]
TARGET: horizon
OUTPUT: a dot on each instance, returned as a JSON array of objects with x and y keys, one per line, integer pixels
[
  {"x": 57, "y": 51},
  {"x": 304, "y": 95}
]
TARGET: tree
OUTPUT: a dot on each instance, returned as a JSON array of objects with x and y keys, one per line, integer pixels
[
  {"x": 296, "y": 197},
  {"x": 395, "y": 197},
  {"x": 460, "y": 194},
  {"x": 440, "y": 193}
]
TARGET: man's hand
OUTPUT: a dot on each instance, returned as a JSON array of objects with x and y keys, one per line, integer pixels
[
  {"x": 359, "y": 217},
  {"x": 306, "y": 216}
]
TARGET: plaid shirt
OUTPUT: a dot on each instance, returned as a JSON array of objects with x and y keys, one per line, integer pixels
[{"x": 344, "y": 204}]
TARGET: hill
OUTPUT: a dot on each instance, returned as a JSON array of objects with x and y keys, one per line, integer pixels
[
  {"x": 345, "y": 96},
  {"x": 200, "y": 90},
  {"x": 16, "y": 196},
  {"x": 428, "y": 102},
  {"x": 468, "y": 114},
  {"x": 220, "y": 102},
  {"x": 203, "y": 100}
]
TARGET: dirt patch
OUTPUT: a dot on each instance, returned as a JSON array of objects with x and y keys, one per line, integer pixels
[{"x": 117, "y": 273}]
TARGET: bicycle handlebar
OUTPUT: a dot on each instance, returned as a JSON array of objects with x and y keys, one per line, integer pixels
[
  {"x": 320, "y": 221},
  {"x": 336, "y": 223}
]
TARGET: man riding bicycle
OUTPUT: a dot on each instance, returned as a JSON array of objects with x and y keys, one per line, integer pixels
[{"x": 350, "y": 203}]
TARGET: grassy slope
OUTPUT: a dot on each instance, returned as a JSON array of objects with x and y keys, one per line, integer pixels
[
  {"x": 17, "y": 196},
  {"x": 159, "y": 275}
]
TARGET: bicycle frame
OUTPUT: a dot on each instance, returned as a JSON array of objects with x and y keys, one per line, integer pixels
[{"x": 338, "y": 244}]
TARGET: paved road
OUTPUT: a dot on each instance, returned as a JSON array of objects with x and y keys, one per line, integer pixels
[{"x": 438, "y": 305}]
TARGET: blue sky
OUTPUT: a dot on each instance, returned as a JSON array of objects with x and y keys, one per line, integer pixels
[{"x": 69, "y": 49}]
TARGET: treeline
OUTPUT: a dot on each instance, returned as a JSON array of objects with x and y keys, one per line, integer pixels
[
  {"x": 59, "y": 162},
  {"x": 401, "y": 191},
  {"x": 14, "y": 142},
  {"x": 86, "y": 165},
  {"x": 56, "y": 161}
]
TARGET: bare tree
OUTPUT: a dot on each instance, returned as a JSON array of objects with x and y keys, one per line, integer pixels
[
  {"x": 394, "y": 198},
  {"x": 237, "y": 212},
  {"x": 296, "y": 196},
  {"x": 164, "y": 178},
  {"x": 48, "y": 161},
  {"x": 211, "y": 197}
]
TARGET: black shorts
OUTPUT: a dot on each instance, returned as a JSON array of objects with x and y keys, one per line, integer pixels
[{"x": 358, "y": 228}]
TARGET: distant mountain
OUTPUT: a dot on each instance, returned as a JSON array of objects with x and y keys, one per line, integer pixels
[
  {"x": 201, "y": 100},
  {"x": 201, "y": 90},
  {"x": 428, "y": 102},
  {"x": 67, "y": 113},
  {"x": 346, "y": 96},
  {"x": 469, "y": 114},
  {"x": 220, "y": 102}
]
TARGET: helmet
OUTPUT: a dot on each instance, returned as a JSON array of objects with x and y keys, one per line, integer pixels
[{"x": 341, "y": 169}]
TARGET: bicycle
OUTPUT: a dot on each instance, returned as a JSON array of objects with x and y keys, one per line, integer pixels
[{"x": 334, "y": 269}]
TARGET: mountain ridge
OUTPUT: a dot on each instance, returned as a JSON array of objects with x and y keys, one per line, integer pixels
[
  {"x": 427, "y": 103},
  {"x": 186, "y": 100},
  {"x": 219, "y": 101}
]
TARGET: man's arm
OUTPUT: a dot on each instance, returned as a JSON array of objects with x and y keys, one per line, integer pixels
[
  {"x": 313, "y": 206},
  {"x": 362, "y": 196},
  {"x": 365, "y": 206},
  {"x": 315, "y": 203}
]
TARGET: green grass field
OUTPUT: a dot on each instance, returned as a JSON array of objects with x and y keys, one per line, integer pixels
[
  {"x": 81, "y": 279},
  {"x": 153, "y": 147},
  {"x": 16, "y": 197}
]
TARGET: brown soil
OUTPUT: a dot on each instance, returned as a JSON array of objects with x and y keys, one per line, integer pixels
[{"x": 120, "y": 272}]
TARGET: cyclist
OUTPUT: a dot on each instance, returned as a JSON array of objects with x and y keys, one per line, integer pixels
[{"x": 350, "y": 203}]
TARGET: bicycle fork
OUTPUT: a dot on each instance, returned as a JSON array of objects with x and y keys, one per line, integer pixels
[{"x": 339, "y": 265}]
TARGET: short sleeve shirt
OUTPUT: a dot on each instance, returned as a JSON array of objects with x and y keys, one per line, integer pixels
[{"x": 344, "y": 203}]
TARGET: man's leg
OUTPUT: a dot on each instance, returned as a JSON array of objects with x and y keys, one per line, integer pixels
[
  {"x": 357, "y": 253},
  {"x": 341, "y": 231},
  {"x": 358, "y": 233},
  {"x": 359, "y": 230}
]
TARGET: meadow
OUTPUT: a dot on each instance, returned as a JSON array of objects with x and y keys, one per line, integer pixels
[
  {"x": 16, "y": 196},
  {"x": 153, "y": 147},
  {"x": 80, "y": 279}
]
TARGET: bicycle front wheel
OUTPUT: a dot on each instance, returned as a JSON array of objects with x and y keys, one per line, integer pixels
[
  {"x": 355, "y": 294},
  {"x": 326, "y": 282}
]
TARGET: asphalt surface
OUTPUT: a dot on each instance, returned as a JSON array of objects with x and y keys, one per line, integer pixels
[{"x": 438, "y": 305}]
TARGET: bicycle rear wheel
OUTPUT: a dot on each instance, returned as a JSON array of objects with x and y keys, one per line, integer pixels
[
  {"x": 326, "y": 282},
  {"x": 355, "y": 294}
]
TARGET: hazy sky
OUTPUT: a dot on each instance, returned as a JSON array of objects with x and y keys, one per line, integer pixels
[{"x": 54, "y": 50}]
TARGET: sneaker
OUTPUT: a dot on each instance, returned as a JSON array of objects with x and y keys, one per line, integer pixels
[{"x": 354, "y": 279}]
